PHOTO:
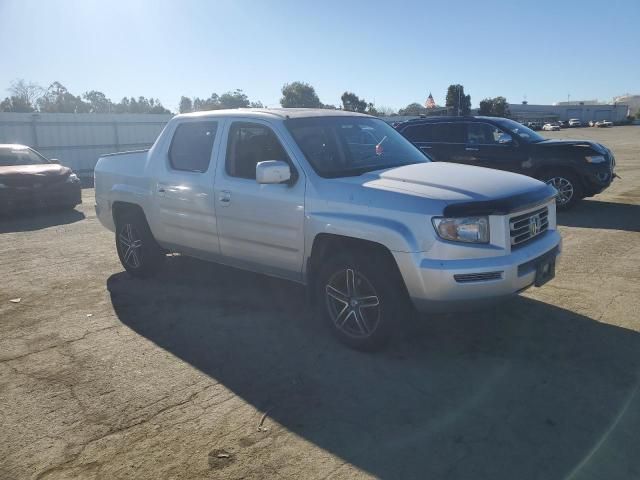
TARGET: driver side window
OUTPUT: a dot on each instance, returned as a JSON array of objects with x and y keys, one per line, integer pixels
[
  {"x": 248, "y": 145},
  {"x": 485, "y": 134}
]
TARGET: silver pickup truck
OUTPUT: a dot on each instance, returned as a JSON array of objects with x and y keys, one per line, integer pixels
[{"x": 337, "y": 201}]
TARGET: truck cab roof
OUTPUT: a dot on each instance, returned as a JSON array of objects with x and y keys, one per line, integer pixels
[{"x": 283, "y": 113}]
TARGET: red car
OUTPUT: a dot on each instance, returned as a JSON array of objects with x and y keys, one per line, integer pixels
[{"x": 28, "y": 180}]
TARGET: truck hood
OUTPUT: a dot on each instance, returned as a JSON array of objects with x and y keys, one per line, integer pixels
[
  {"x": 451, "y": 182},
  {"x": 458, "y": 190},
  {"x": 555, "y": 143}
]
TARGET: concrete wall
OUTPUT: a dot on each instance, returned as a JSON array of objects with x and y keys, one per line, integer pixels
[{"x": 77, "y": 140}]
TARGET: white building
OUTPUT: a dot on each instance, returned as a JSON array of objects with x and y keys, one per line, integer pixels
[{"x": 584, "y": 112}]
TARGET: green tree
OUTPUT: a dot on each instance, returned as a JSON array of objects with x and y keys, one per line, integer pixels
[
  {"x": 386, "y": 111},
  {"x": 141, "y": 105},
  {"x": 186, "y": 105},
  {"x": 58, "y": 99},
  {"x": 494, "y": 107},
  {"x": 98, "y": 102},
  {"x": 371, "y": 109},
  {"x": 24, "y": 96},
  {"x": 235, "y": 99},
  {"x": 352, "y": 103},
  {"x": 457, "y": 101},
  {"x": 211, "y": 103},
  {"x": 16, "y": 104},
  {"x": 299, "y": 94},
  {"x": 413, "y": 109}
]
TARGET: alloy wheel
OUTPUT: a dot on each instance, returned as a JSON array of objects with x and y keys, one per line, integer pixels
[
  {"x": 130, "y": 245},
  {"x": 353, "y": 303},
  {"x": 564, "y": 188}
]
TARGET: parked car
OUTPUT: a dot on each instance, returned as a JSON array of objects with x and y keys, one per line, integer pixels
[
  {"x": 575, "y": 122},
  {"x": 562, "y": 124},
  {"x": 551, "y": 127},
  {"x": 337, "y": 201},
  {"x": 576, "y": 168},
  {"x": 534, "y": 125},
  {"x": 29, "y": 180},
  {"x": 604, "y": 124}
]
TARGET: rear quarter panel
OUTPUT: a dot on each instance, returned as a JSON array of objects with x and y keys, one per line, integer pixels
[{"x": 121, "y": 177}]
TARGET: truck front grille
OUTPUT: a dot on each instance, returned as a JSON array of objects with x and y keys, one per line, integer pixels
[{"x": 526, "y": 227}]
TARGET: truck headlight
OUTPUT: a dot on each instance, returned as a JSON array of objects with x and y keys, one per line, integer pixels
[
  {"x": 596, "y": 159},
  {"x": 469, "y": 229}
]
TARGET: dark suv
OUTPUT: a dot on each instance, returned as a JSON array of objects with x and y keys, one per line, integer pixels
[{"x": 576, "y": 168}]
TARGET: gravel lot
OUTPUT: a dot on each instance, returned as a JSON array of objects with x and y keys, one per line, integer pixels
[{"x": 208, "y": 372}]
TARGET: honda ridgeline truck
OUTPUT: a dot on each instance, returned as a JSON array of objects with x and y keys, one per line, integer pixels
[{"x": 338, "y": 201}]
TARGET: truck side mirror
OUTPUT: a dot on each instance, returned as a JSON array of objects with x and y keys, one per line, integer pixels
[{"x": 273, "y": 171}]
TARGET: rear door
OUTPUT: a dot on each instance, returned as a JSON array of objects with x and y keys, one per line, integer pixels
[
  {"x": 491, "y": 147},
  {"x": 448, "y": 143},
  {"x": 184, "y": 210},
  {"x": 421, "y": 135}
]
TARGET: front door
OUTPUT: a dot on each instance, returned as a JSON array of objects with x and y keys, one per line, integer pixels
[
  {"x": 489, "y": 146},
  {"x": 260, "y": 225},
  {"x": 449, "y": 142}
]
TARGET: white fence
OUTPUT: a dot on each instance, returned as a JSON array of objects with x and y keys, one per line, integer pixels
[{"x": 77, "y": 140}]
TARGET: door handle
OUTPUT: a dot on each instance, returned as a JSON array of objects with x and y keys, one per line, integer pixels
[
  {"x": 471, "y": 149},
  {"x": 425, "y": 148},
  {"x": 225, "y": 197}
]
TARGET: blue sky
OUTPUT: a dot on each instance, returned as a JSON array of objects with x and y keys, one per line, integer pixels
[{"x": 393, "y": 52}]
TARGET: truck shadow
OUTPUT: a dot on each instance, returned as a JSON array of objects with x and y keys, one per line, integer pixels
[
  {"x": 526, "y": 391},
  {"x": 599, "y": 214},
  {"x": 30, "y": 220}
]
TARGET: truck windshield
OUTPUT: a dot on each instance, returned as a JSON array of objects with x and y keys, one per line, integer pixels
[
  {"x": 351, "y": 146},
  {"x": 525, "y": 133}
]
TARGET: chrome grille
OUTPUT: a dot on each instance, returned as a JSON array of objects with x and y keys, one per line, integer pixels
[{"x": 528, "y": 226}]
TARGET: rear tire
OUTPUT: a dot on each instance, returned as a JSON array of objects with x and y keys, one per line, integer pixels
[
  {"x": 138, "y": 251},
  {"x": 568, "y": 186},
  {"x": 357, "y": 298}
]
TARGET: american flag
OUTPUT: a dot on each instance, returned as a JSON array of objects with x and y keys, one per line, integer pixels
[{"x": 430, "y": 103}]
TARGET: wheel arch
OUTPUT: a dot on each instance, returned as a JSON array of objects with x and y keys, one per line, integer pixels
[
  {"x": 541, "y": 172},
  {"x": 120, "y": 208},
  {"x": 324, "y": 243}
]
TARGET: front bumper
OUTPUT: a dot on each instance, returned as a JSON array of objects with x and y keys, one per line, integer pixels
[
  {"x": 598, "y": 178},
  {"x": 48, "y": 196},
  {"x": 432, "y": 285}
]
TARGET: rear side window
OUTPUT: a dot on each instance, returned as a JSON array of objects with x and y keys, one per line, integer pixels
[
  {"x": 191, "y": 146},
  {"x": 419, "y": 133},
  {"x": 449, "y": 133}
]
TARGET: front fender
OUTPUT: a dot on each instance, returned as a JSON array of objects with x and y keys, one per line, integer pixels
[{"x": 393, "y": 234}]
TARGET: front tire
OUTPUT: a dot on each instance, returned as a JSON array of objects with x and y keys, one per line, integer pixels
[
  {"x": 358, "y": 300},
  {"x": 138, "y": 251},
  {"x": 568, "y": 186}
]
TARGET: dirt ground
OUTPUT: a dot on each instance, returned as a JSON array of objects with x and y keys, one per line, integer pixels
[{"x": 209, "y": 372}]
